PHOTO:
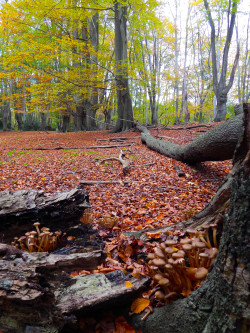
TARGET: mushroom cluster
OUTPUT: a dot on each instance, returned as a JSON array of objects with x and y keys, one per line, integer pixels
[
  {"x": 178, "y": 267},
  {"x": 38, "y": 240},
  {"x": 108, "y": 221}
]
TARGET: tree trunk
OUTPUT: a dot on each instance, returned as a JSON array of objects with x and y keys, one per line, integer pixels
[
  {"x": 220, "y": 305},
  {"x": 217, "y": 144},
  {"x": 125, "y": 119},
  {"x": 220, "y": 85}
]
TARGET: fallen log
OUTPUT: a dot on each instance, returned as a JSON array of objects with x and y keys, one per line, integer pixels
[
  {"x": 38, "y": 292},
  {"x": 85, "y": 147},
  {"x": 217, "y": 144}
]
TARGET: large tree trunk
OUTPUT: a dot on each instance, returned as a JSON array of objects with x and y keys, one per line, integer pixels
[
  {"x": 217, "y": 144},
  {"x": 221, "y": 304},
  {"x": 125, "y": 119}
]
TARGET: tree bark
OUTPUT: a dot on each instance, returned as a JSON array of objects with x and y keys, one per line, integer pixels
[
  {"x": 220, "y": 305},
  {"x": 217, "y": 144},
  {"x": 220, "y": 86},
  {"x": 125, "y": 119}
]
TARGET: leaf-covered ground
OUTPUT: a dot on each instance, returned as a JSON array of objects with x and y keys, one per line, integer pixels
[
  {"x": 154, "y": 196},
  {"x": 157, "y": 196}
]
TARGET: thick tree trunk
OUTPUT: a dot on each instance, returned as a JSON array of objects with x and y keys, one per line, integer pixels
[
  {"x": 221, "y": 304},
  {"x": 125, "y": 119},
  {"x": 217, "y": 144}
]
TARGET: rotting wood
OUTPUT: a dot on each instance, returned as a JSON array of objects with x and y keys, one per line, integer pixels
[{"x": 37, "y": 293}]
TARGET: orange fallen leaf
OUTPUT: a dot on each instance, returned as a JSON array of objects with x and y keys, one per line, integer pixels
[
  {"x": 139, "y": 304},
  {"x": 122, "y": 326},
  {"x": 128, "y": 284}
]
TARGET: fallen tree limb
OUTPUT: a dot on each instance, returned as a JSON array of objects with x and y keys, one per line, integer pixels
[
  {"x": 125, "y": 163},
  {"x": 187, "y": 127},
  {"x": 86, "y": 147},
  {"x": 217, "y": 144},
  {"x": 107, "y": 182}
]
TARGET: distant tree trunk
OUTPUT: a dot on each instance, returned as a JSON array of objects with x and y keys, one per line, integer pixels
[
  {"x": 221, "y": 88},
  {"x": 221, "y": 303},
  {"x": 6, "y": 112},
  {"x": 94, "y": 41},
  {"x": 125, "y": 119}
]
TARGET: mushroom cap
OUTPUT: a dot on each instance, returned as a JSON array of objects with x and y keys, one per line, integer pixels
[
  {"x": 212, "y": 252},
  {"x": 151, "y": 256},
  {"x": 200, "y": 245},
  {"x": 36, "y": 224},
  {"x": 178, "y": 255},
  {"x": 163, "y": 246},
  {"x": 159, "y": 253},
  {"x": 187, "y": 247},
  {"x": 21, "y": 239},
  {"x": 192, "y": 231},
  {"x": 168, "y": 267},
  {"x": 33, "y": 233},
  {"x": 201, "y": 273},
  {"x": 206, "y": 227},
  {"x": 159, "y": 295},
  {"x": 170, "y": 242},
  {"x": 203, "y": 255},
  {"x": 214, "y": 226},
  {"x": 158, "y": 277},
  {"x": 169, "y": 250},
  {"x": 164, "y": 282},
  {"x": 185, "y": 241},
  {"x": 159, "y": 262}
]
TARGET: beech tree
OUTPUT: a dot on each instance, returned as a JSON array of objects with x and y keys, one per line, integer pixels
[
  {"x": 220, "y": 85},
  {"x": 125, "y": 119}
]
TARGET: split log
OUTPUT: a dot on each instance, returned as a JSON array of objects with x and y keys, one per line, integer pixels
[
  {"x": 217, "y": 144},
  {"x": 221, "y": 304},
  {"x": 20, "y": 209},
  {"x": 37, "y": 293}
]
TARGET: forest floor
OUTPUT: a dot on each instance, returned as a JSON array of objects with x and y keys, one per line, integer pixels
[{"x": 154, "y": 196}]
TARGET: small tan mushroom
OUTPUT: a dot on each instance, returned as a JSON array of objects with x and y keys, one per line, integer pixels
[
  {"x": 159, "y": 262},
  {"x": 36, "y": 225},
  {"x": 201, "y": 273},
  {"x": 214, "y": 228},
  {"x": 160, "y": 295}
]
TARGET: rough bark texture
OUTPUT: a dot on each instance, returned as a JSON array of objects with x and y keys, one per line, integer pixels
[
  {"x": 37, "y": 293},
  {"x": 18, "y": 210},
  {"x": 221, "y": 304},
  {"x": 217, "y": 144}
]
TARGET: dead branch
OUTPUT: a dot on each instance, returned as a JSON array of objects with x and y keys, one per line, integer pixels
[
  {"x": 107, "y": 182},
  {"x": 187, "y": 127},
  {"x": 86, "y": 147},
  {"x": 125, "y": 163}
]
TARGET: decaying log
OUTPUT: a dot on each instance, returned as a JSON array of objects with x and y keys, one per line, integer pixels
[
  {"x": 37, "y": 290},
  {"x": 37, "y": 293},
  {"x": 20, "y": 209},
  {"x": 217, "y": 144}
]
